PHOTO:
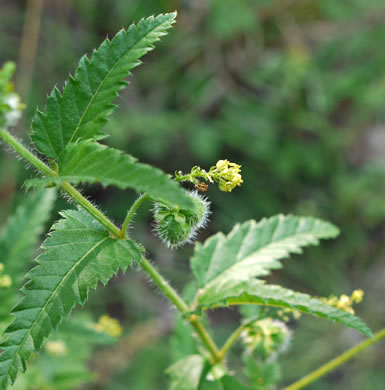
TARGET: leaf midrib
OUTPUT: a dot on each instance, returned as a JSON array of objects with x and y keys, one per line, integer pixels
[
  {"x": 105, "y": 78},
  {"x": 255, "y": 253},
  {"x": 71, "y": 270}
]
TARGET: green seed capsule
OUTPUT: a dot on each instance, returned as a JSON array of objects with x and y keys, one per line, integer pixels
[{"x": 177, "y": 227}]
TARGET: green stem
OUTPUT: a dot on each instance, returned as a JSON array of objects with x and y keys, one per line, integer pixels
[
  {"x": 90, "y": 208},
  {"x": 24, "y": 152},
  {"x": 164, "y": 286},
  {"x": 71, "y": 191},
  {"x": 344, "y": 357},
  {"x": 231, "y": 340},
  {"x": 131, "y": 213},
  {"x": 111, "y": 227},
  {"x": 205, "y": 337},
  {"x": 235, "y": 336},
  {"x": 181, "y": 179},
  {"x": 183, "y": 308}
]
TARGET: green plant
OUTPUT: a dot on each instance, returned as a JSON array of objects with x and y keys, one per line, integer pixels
[{"x": 85, "y": 247}]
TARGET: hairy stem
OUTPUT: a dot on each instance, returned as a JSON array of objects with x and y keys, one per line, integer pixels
[
  {"x": 111, "y": 227},
  {"x": 131, "y": 213},
  {"x": 183, "y": 308},
  {"x": 164, "y": 286},
  {"x": 26, "y": 154},
  {"x": 71, "y": 191},
  {"x": 205, "y": 337},
  {"x": 90, "y": 208},
  {"x": 231, "y": 340},
  {"x": 333, "y": 364}
]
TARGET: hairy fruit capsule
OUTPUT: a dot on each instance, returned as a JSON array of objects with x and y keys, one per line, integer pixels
[
  {"x": 266, "y": 339},
  {"x": 176, "y": 226}
]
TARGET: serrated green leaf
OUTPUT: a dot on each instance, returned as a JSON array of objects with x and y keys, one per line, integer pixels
[
  {"x": 78, "y": 254},
  {"x": 226, "y": 267},
  {"x": 253, "y": 249},
  {"x": 255, "y": 291},
  {"x": 82, "y": 110},
  {"x": 20, "y": 235},
  {"x": 91, "y": 162},
  {"x": 186, "y": 373},
  {"x": 18, "y": 240}
]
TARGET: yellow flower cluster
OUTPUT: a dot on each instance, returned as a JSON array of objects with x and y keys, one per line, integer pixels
[
  {"x": 345, "y": 302},
  {"x": 224, "y": 172},
  {"x": 228, "y": 175},
  {"x": 56, "y": 348},
  {"x": 5, "y": 280},
  {"x": 284, "y": 314},
  {"x": 109, "y": 325}
]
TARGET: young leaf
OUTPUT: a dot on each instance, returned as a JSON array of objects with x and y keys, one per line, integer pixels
[
  {"x": 20, "y": 235},
  {"x": 78, "y": 254},
  {"x": 253, "y": 249},
  {"x": 82, "y": 110},
  {"x": 255, "y": 291},
  {"x": 186, "y": 373},
  {"x": 90, "y": 162}
]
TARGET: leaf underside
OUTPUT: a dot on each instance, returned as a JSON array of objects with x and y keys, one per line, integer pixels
[
  {"x": 77, "y": 255},
  {"x": 82, "y": 109},
  {"x": 90, "y": 162},
  {"x": 226, "y": 267},
  {"x": 257, "y": 292}
]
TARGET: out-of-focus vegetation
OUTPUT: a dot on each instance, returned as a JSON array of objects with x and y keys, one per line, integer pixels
[{"x": 294, "y": 91}]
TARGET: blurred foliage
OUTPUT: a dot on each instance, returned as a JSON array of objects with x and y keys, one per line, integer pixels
[{"x": 294, "y": 91}]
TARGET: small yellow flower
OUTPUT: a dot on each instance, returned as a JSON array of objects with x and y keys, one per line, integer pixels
[
  {"x": 56, "y": 348},
  {"x": 109, "y": 325},
  {"x": 222, "y": 164},
  {"x": 5, "y": 281},
  {"x": 228, "y": 175},
  {"x": 225, "y": 173},
  {"x": 345, "y": 302},
  {"x": 358, "y": 296}
]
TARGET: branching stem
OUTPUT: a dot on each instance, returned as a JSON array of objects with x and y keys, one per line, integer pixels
[
  {"x": 112, "y": 228},
  {"x": 90, "y": 208},
  {"x": 205, "y": 337},
  {"x": 216, "y": 354},
  {"x": 333, "y": 364}
]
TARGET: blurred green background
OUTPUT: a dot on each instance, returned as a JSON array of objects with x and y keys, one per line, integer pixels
[{"x": 294, "y": 91}]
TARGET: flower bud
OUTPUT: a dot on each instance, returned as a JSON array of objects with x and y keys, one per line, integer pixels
[{"x": 178, "y": 226}]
